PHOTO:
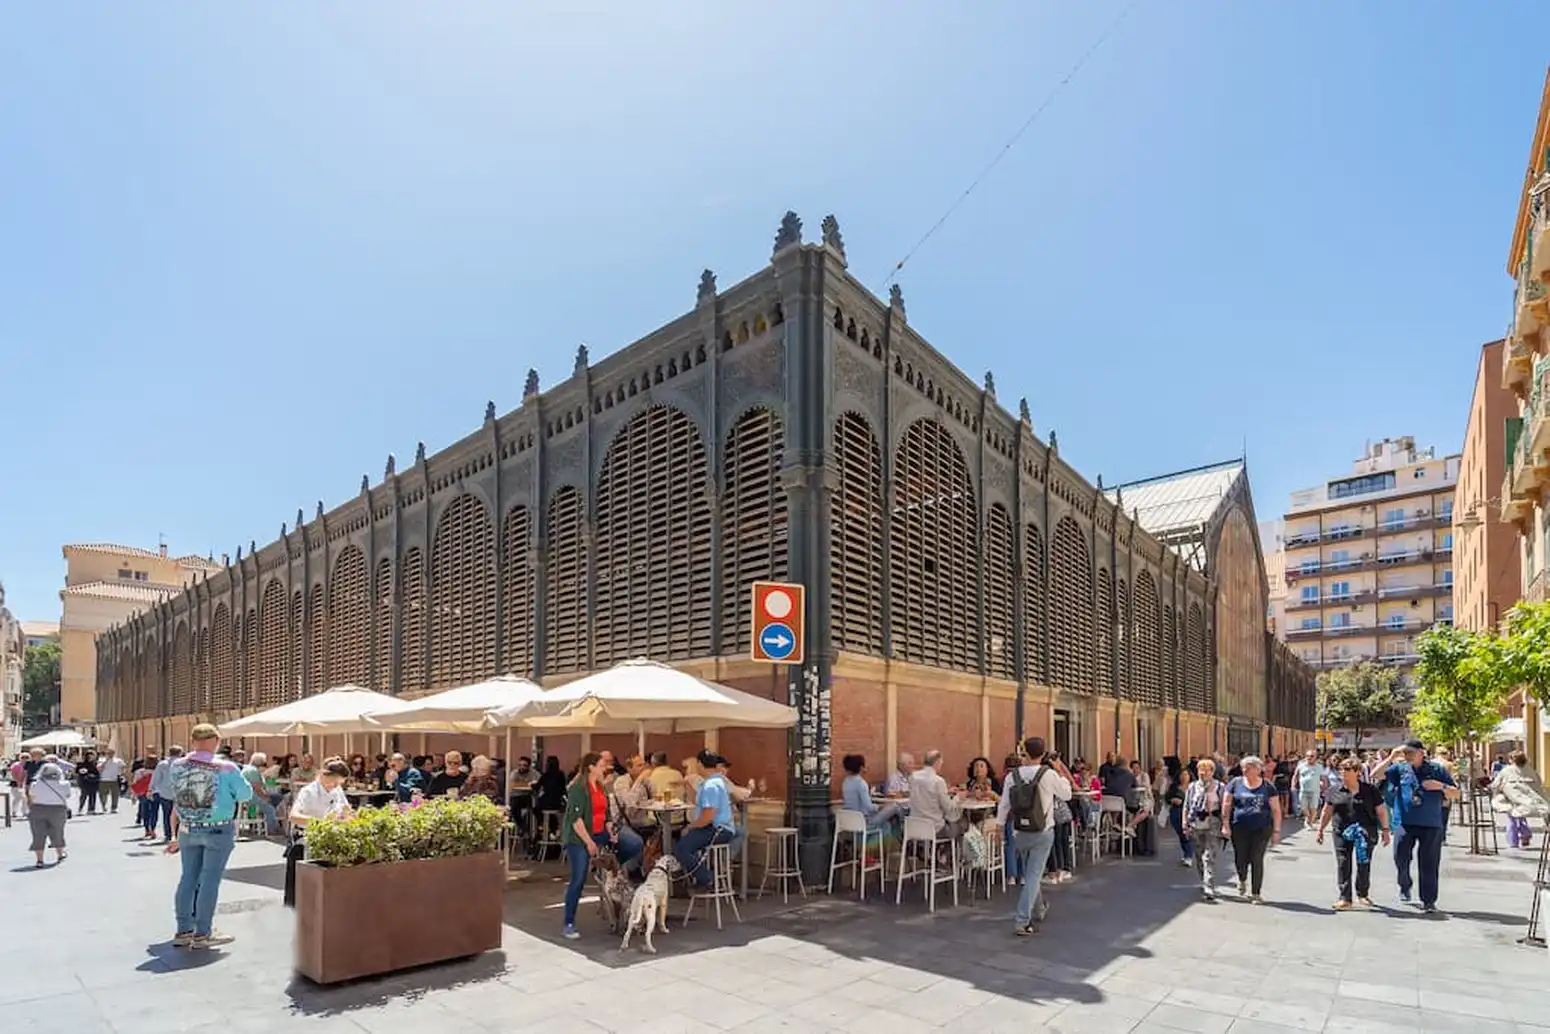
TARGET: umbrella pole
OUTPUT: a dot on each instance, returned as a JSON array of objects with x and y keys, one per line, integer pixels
[{"x": 640, "y": 738}]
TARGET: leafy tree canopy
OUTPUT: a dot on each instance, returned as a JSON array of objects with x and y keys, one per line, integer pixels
[
  {"x": 1524, "y": 654},
  {"x": 40, "y": 679},
  {"x": 1362, "y": 697},
  {"x": 1464, "y": 679}
]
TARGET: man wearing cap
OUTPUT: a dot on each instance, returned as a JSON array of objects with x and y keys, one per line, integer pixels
[
  {"x": 714, "y": 820},
  {"x": 1419, "y": 787}
]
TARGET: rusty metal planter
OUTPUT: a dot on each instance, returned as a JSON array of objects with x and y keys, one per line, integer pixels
[{"x": 371, "y": 919}]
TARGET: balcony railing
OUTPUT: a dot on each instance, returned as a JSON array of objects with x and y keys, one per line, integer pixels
[
  {"x": 1415, "y": 520},
  {"x": 1535, "y": 591},
  {"x": 1538, "y": 242},
  {"x": 1517, "y": 362},
  {"x": 1339, "y": 630},
  {"x": 1415, "y": 591},
  {"x": 1306, "y": 538},
  {"x": 1398, "y": 658},
  {"x": 1304, "y": 632},
  {"x": 1344, "y": 533}
]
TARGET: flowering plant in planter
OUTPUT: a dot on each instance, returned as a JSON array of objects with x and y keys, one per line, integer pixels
[{"x": 426, "y": 829}]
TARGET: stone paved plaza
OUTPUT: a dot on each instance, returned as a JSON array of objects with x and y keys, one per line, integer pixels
[{"x": 1128, "y": 947}]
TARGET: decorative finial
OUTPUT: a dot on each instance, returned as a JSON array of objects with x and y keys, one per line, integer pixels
[
  {"x": 365, "y": 484},
  {"x": 790, "y": 233},
  {"x": 1054, "y": 443},
  {"x": 896, "y": 301},
  {"x": 1022, "y": 412},
  {"x": 831, "y": 236},
  {"x": 489, "y": 411},
  {"x": 990, "y": 384},
  {"x": 387, "y": 471},
  {"x": 531, "y": 387},
  {"x": 239, "y": 556},
  {"x": 419, "y": 454},
  {"x": 284, "y": 531},
  {"x": 252, "y": 548},
  {"x": 300, "y": 520},
  {"x": 707, "y": 291},
  {"x": 1100, "y": 482},
  {"x": 1119, "y": 498},
  {"x": 581, "y": 360},
  {"x": 320, "y": 509}
]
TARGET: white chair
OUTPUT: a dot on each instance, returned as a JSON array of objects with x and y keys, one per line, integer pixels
[
  {"x": 549, "y": 835},
  {"x": 1114, "y": 825},
  {"x": 251, "y": 824},
  {"x": 851, "y": 824},
  {"x": 784, "y": 868},
  {"x": 995, "y": 859},
  {"x": 719, "y": 858},
  {"x": 920, "y": 834}
]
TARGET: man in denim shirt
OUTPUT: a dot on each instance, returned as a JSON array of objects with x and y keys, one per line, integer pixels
[
  {"x": 206, "y": 793},
  {"x": 1419, "y": 787}
]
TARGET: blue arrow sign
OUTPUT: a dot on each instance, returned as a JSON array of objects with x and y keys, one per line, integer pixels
[{"x": 777, "y": 641}]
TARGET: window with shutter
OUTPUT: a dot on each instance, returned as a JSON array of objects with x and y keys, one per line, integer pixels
[
  {"x": 1195, "y": 697},
  {"x": 202, "y": 672},
  {"x": 1148, "y": 648},
  {"x": 1071, "y": 648},
  {"x": 1034, "y": 602},
  {"x": 272, "y": 645},
  {"x": 934, "y": 539},
  {"x": 462, "y": 595},
  {"x": 1000, "y": 577},
  {"x": 182, "y": 672},
  {"x": 1104, "y": 616},
  {"x": 565, "y": 590},
  {"x": 411, "y": 592},
  {"x": 294, "y": 660},
  {"x": 382, "y": 589},
  {"x": 249, "y": 658},
  {"x": 653, "y": 541},
  {"x": 223, "y": 672},
  {"x": 856, "y": 538},
  {"x": 1170, "y": 679},
  {"x": 1122, "y": 637},
  {"x": 753, "y": 522},
  {"x": 349, "y": 614},
  {"x": 317, "y": 641},
  {"x": 519, "y": 587}
]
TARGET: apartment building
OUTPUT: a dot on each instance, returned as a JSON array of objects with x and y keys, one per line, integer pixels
[
  {"x": 1271, "y": 539},
  {"x": 1487, "y": 572},
  {"x": 1369, "y": 558},
  {"x": 13, "y": 658}
]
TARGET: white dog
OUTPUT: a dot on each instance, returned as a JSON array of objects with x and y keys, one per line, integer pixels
[{"x": 648, "y": 905}]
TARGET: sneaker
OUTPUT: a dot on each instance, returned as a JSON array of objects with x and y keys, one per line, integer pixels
[
  {"x": 1049, "y": 880},
  {"x": 1243, "y": 889},
  {"x": 1209, "y": 894},
  {"x": 183, "y": 939},
  {"x": 1342, "y": 906},
  {"x": 213, "y": 939},
  {"x": 1067, "y": 876},
  {"x": 1404, "y": 897},
  {"x": 1185, "y": 863},
  {"x": 1256, "y": 900},
  {"x": 570, "y": 933},
  {"x": 1365, "y": 902},
  {"x": 1429, "y": 909},
  {"x": 1026, "y": 931}
]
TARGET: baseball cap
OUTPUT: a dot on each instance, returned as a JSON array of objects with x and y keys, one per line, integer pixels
[{"x": 1415, "y": 745}]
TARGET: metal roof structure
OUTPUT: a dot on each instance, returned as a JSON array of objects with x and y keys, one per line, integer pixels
[{"x": 1178, "y": 508}]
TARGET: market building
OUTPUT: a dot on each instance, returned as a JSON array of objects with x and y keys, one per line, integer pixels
[{"x": 965, "y": 584}]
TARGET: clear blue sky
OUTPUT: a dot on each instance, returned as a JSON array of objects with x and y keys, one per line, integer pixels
[{"x": 244, "y": 256}]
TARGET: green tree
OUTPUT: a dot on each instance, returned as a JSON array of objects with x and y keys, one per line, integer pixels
[
  {"x": 1363, "y": 697},
  {"x": 1463, "y": 683},
  {"x": 1524, "y": 652},
  {"x": 40, "y": 681}
]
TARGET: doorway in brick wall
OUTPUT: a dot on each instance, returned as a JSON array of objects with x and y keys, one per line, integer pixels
[{"x": 1062, "y": 733}]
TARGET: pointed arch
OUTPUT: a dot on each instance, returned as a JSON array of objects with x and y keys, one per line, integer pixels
[
  {"x": 462, "y": 594},
  {"x": 382, "y": 645},
  {"x": 753, "y": 521},
  {"x": 1148, "y": 646},
  {"x": 249, "y": 640},
  {"x": 202, "y": 672},
  {"x": 182, "y": 690},
  {"x": 1000, "y": 583},
  {"x": 653, "y": 541},
  {"x": 317, "y": 641},
  {"x": 519, "y": 587},
  {"x": 1104, "y": 616},
  {"x": 273, "y": 645},
  {"x": 856, "y": 538},
  {"x": 295, "y": 668},
  {"x": 349, "y": 616},
  {"x": 1123, "y": 634},
  {"x": 223, "y": 671},
  {"x": 1170, "y": 680},
  {"x": 934, "y": 537},
  {"x": 1071, "y": 647},
  {"x": 1034, "y": 602},
  {"x": 411, "y": 599},
  {"x": 1195, "y": 696},
  {"x": 565, "y": 589}
]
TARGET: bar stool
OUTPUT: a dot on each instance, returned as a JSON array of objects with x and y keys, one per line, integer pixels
[
  {"x": 1114, "y": 825},
  {"x": 920, "y": 834},
  {"x": 549, "y": 834},
  {"x": 719, "y": 858},
  {"x": 995, "y": 860},
  {"x": 851, "y": 823},
  {"x": 784, "y": 840}
]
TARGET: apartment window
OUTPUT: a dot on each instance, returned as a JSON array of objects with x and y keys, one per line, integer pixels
[
  {"x": 1310, "y": 567},
  {"x": 1394, "y": 518},
  {"x": 1447, "y": 577},
  {"x": 1340, "y": 556},
  {"x": 1362, "y": 485},
  {"x": 125, "y": 574},
  {"x": 1310, "y": 622},
  {"x": 1310, "y": 593},
  {"x": 1396, "y": 621},
  {"x": 1340, "y": 621},
  {"x": 1447, "y": 541},
  {"x": 1420, "y": 472},
  {"x": 1340, "y": 589},
  {"x": 142, "y": 576},
  {"x": 1447, "y": 510}
]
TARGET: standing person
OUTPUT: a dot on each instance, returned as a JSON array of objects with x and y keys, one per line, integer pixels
[
  {"x": 49, "y": 808},
  {"x": 1251, "y": 817},
  {"x": 18, "y": 773},
  {"x": 206, "y": 791},
  {"x": 1517, "y": 792},
  {"x": 585, "y": 829},
  {"x": 1174, "y": 797},
  {"x": 320, "y": 799},
  {"x": 1419, "y": 786},
  {"x": 1360, "y": 818},
  {"x": 1309, "y": 781},
  {"x": 163, "y": 791},
  {"x": 145, "y": 800},
  {"x": 1029, "y": 804},
  {"x": 110, "y": 770},
  {"x": 1445, "y": 759},
  {"x": 87, "y": 780},
  {"x": 1203, "y": 815},
  {"x": 253, "y": 772}
]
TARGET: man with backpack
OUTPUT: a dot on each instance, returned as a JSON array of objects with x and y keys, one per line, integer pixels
[{"x": 1028, "y": 800}]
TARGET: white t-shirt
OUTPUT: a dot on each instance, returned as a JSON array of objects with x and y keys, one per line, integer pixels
[
  {"x": 314, "y": 802},
  {"x": 111, "y": 769}
]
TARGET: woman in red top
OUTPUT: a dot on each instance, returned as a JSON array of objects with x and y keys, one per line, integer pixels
[{"x": 585, "y": 830}]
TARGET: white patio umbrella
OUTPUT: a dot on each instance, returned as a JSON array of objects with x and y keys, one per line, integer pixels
[
  {"x": 456, "y": 710},
  {"x": 642, "y": 696},
  {"x": 64, "y": 738},
  {"x": 338, "y": 710}
]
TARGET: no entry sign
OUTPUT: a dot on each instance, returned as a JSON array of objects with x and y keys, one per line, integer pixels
[{"x": 778, "y": 608}]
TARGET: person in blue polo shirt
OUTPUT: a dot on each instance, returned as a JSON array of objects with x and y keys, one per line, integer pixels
[{"x": 1418, "y": 787}]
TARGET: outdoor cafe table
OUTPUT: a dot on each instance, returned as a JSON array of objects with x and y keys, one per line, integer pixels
[
  {"x": 368, "y": 798},
  {"x": 665, "y": 812}
]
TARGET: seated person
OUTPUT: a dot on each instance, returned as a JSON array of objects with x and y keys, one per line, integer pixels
[
  {"x": 930, "y": 800},
  {"x": 858, "y": 795},
  {"x": 714, "y": 821},
  {"x": 1119, "y": 781}
]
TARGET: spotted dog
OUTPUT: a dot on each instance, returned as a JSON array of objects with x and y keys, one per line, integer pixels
[{"x": 614, "y": 890}]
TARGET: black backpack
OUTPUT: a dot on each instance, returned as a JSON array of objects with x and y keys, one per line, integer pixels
[{"x": 1028, "y": 814}]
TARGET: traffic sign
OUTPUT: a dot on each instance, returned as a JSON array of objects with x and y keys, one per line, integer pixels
[{"x": 778, "y": 612}]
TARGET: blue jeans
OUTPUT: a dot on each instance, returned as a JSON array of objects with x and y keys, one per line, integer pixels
[
  {"x": 1032, "y": 854},
  {"x": 164, "y": 808},
  {"x": 271, "y": 818},
  {"x": 1426, "y": 843},
  {"x": 147, "y": 814},
  {"x": 204, "y": 851},
  {"x": 693, "y": 843},
  {"x": 628, "y": 846},
  {"x": 580, "y": 864},
  {"x": 1176, "y": 820},
  {"x": 1014, "y": 861}
]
